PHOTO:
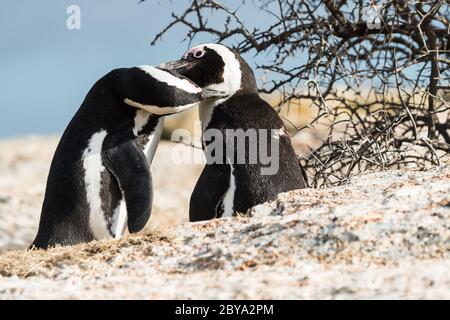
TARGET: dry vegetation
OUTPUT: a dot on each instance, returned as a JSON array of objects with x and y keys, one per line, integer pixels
[
  {"x": 24, "y": 264},
  {"x": 373, "y": 75}
]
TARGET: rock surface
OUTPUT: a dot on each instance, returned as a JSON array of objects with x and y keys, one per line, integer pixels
[{"x": 383, "y": 235}]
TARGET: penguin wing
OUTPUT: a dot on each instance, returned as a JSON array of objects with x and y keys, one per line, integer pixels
[
  {"x": 127, "y": 162},
  {"x": 209, "y": 191}
]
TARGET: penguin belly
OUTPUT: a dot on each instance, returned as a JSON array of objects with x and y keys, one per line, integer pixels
[{"x": 93, "y": 172}]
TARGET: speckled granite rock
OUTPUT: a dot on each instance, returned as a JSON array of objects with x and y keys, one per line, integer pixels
[{"x": 383, "y": 235}]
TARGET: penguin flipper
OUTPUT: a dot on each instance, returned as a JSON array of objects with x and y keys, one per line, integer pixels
[
  {"x": 127, "y": 162},
  {"x": 209, "y": 191}
]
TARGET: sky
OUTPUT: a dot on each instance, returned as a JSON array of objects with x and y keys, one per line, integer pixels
[{"x": 47, "y": 69}]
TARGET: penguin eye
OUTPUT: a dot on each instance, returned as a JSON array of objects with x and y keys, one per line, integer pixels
[{"x": 199, "y": 54}]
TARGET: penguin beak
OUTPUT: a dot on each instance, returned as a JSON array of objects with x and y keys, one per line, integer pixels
[{"x": 179, "y": 66}]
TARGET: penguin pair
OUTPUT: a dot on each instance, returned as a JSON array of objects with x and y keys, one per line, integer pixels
[
  {"x": 100, "y": 179},
  {"x": 226, "y": 187}
]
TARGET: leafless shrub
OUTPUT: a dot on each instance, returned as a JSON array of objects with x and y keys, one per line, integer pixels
[{"x": 375, "y": 73}]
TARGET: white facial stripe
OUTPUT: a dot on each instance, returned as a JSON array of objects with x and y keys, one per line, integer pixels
[
  {"x": 159, "y": 110},
  {"x": 232, "y": 76},
  {"x": 171, "y": 80},
  {"x": 93, "y": 167},
  {"x": 232, "y": 73}
]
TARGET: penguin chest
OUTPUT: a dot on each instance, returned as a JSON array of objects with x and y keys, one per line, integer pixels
[
  {"x": 107, "y": 211},
  {"x": 106, "y": 205}
]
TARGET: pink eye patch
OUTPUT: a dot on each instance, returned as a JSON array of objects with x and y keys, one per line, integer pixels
[{"x": 196, "y": 52}]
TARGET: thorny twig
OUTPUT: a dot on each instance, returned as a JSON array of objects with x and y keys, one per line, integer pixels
[{"x": 380, "y": 84}]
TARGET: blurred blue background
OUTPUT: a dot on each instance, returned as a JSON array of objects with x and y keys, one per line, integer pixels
[{"x": 47, "y": 69}]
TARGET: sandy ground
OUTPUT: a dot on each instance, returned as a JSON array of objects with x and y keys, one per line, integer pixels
[{"x": 383, "y": 235}]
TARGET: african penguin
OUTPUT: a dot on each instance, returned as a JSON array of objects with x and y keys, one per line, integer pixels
[
  {"x": 100, "y": 179},
  {"x": 226, "y": 186}
]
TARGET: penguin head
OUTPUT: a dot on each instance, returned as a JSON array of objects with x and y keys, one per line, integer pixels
[{"x": 216, "y": 67}]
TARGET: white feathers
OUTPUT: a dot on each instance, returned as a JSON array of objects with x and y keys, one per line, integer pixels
[
  {"x": 205, "y": 112},
  {"x": 140, "y": 120},
  {"x": 171, "y": 80},
  {"x": 119, "y": 220},
  {"x": 232, "y": 73},
  {"x": 228, "y": 199},
  {"x": 159, "y": 110},
  {"x": 232, "y": 76},
  {"x": 93, "y": 168},
  {"x": 153, "y": 140}
]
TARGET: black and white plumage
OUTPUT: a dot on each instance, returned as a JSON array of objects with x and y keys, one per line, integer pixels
[
  {"x": 225, "y": 188},
  {"x": 100, "y": 179}
]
